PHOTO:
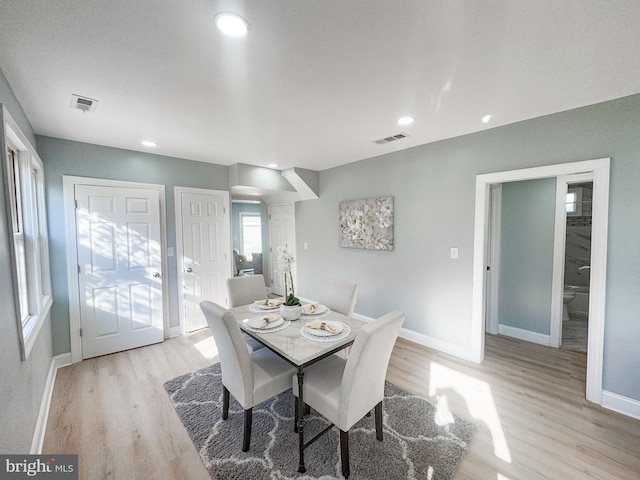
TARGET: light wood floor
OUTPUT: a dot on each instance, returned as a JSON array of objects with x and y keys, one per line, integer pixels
[{"x": 528, "y": 401}]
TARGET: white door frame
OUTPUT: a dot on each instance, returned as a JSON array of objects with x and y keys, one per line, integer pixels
[
  {"x": 599, "y": 169},
  {"x": 177, "y": 198},
  {"x": 493, "y": 262},
  {"x": 68, "y": 193}
]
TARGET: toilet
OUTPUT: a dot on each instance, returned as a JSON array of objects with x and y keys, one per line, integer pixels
[{"x": 568, "y": 294}]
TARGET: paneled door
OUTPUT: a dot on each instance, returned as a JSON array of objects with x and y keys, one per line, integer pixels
[
  {"x": 204, "y": 252},
  {"x": 282, "y": 233},
  {"x": 119, "y": 268}
]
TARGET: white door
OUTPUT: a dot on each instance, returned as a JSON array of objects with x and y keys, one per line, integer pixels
[
  {"x": 119, "y": 268},
  {"x": 282, "y": 233},
  {"x": 205, "y": 257}
]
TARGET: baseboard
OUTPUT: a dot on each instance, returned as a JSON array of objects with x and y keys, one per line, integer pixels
[
  {"x": 427, "y": 341},
  {"x": 618, "y": 403},
  {"x": 43, "y": 415},
  {"x": 527, "y": 335},
  {"x": 173, "y": 331}
]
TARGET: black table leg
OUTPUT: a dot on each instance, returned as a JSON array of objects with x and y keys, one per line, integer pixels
[{"x": 301, "y": 467}]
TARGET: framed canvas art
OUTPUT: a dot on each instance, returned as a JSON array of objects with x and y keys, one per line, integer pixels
[{"x": 367, "y": 223}]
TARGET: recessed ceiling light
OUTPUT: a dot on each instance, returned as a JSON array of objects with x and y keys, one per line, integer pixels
[
  {"x": 273, "y": 165},
  {"x": 232, "y": 24},
  {"x": 149, "y": 143},
  {"x": 403, "y": 121},
  {"x": 486, "y": 119}
]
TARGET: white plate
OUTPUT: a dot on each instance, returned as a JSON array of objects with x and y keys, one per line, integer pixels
[
  {"x": 255, "y": 322},
  {"x": 323, "y": 333},
  {"x": 319, "y": 310}
]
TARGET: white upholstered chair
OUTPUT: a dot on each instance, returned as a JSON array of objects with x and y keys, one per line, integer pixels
[
  {"x": 344, "y": 391},
  {"x": 243, "y": 290},
  {"x": 251, "y": 378},
  {"x": 339, "y": 295}
]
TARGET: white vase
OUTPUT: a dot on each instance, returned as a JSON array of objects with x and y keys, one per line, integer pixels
[{"x": 290, "y": 312}]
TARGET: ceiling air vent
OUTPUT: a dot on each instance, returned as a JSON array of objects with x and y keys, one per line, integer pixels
[
  {"x": 393, "y": 138},
  {"x": 83, "y": 103}
]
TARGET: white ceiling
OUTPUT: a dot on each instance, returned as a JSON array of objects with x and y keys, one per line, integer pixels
[{"x": 315, "y": 82}]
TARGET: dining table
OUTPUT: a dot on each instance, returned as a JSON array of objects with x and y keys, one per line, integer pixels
[{"x": 299, "y": 345}]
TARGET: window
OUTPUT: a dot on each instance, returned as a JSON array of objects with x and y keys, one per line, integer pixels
[
  {"x": 27, "y": 224},
  {"x": 251, "y": 228},
  {"x": 574, "y": 202}
]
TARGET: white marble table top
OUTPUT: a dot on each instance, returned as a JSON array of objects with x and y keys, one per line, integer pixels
[{"x": 290, "y": 344}]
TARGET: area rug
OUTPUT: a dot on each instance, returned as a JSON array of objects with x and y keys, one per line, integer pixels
[{"x": 420, "y": 442}]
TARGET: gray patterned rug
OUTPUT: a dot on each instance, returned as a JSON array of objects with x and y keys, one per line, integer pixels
[{"x": 419, "y": 441}]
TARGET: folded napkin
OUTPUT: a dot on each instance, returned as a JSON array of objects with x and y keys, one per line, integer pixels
[
  {"x": 267, "y": 319},
  {"x": 309, "y": 309},
  {"x": 270, "y": 302},
  {"x": 320, "y": 325}
]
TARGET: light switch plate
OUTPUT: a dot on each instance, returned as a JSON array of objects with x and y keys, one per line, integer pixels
[{"x": 454, "y": 253}]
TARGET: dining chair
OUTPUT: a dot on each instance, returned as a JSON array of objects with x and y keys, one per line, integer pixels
[
  {"x": 243, "y": 290},
  {"x": 339, "y": 295},
  {"x": 344, "y": 391},
  {"x": 251, "y": 378}
]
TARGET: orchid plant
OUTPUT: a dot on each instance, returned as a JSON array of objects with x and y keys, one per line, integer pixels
[{"x": 285, "y": 260}]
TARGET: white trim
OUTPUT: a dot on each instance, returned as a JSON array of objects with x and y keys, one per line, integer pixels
[
  {"x": 43, "y": 415},
  {"x": 68, "y": 188},
  {"x": 522, "y": 334},
  {"x": 426, "y": 340},
  {"x": 174, "y": 332},
  {"x": 618, "y": 403},
  {"x": 600, "y": 170},
  {"x": 436, "y": 344}
]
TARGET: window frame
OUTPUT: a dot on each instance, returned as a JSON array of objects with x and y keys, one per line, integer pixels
[{"x": 23, "y": 178}]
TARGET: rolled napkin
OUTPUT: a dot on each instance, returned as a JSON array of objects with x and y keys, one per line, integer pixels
[
  {"x": 267, "y": 319},
  {"x": 270, "y": 302},
  {"x": 309, "y": 309},
  {"x": 320, "y": 325}
]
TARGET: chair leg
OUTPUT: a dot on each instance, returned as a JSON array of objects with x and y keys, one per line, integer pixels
[
  {"x": 225, "y": 403},
  {"x": 246, "y": 440},
  {"x": 344, "y": 453},
  {"x": 378, "y": 412},
  {"x": 296, "y": 414}
]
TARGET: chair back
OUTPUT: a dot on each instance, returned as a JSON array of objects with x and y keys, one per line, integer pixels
[
  {"x": 362, "y": 384},
  {"x": 339, "y": 295},
  {"x": 245, "y": 289},
  {"x": 235, "y": 363}
]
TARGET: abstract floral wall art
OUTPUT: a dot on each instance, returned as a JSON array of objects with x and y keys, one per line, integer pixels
[{"x": 367, "y": 223}]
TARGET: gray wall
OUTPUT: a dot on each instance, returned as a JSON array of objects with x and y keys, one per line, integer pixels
[
  {"x": 21, "y": 382},
  {"x": 526, "y": 254},
  {"x": 64, "y": 157},
  {"x": 434, "y": 189}
]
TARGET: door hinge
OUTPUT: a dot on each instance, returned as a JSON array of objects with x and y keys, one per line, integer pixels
[
  {"x": 75, "y": 204},
  {"x": 80, "y": 332},
  {"x": 78, "y": 268},
  {"x": 224, "y": 209},
  {"x": 269, "y": 216},
  {"x": 488, "y": 268},
  {"x": 225, "y": 256}
]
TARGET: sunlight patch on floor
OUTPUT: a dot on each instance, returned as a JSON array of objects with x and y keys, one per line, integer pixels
[
  {"x": 207, "y": 348},
  {"x": 478, "y": 398}
]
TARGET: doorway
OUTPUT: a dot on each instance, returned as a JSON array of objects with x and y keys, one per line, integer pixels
[
  {"x": 598, "y": 170},
  {"x": 577, "y": 266}
]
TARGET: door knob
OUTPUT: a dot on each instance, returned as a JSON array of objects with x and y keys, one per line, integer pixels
[
  {"x": 157, "y": 275},
  {"x": 189, "y": 269}
]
